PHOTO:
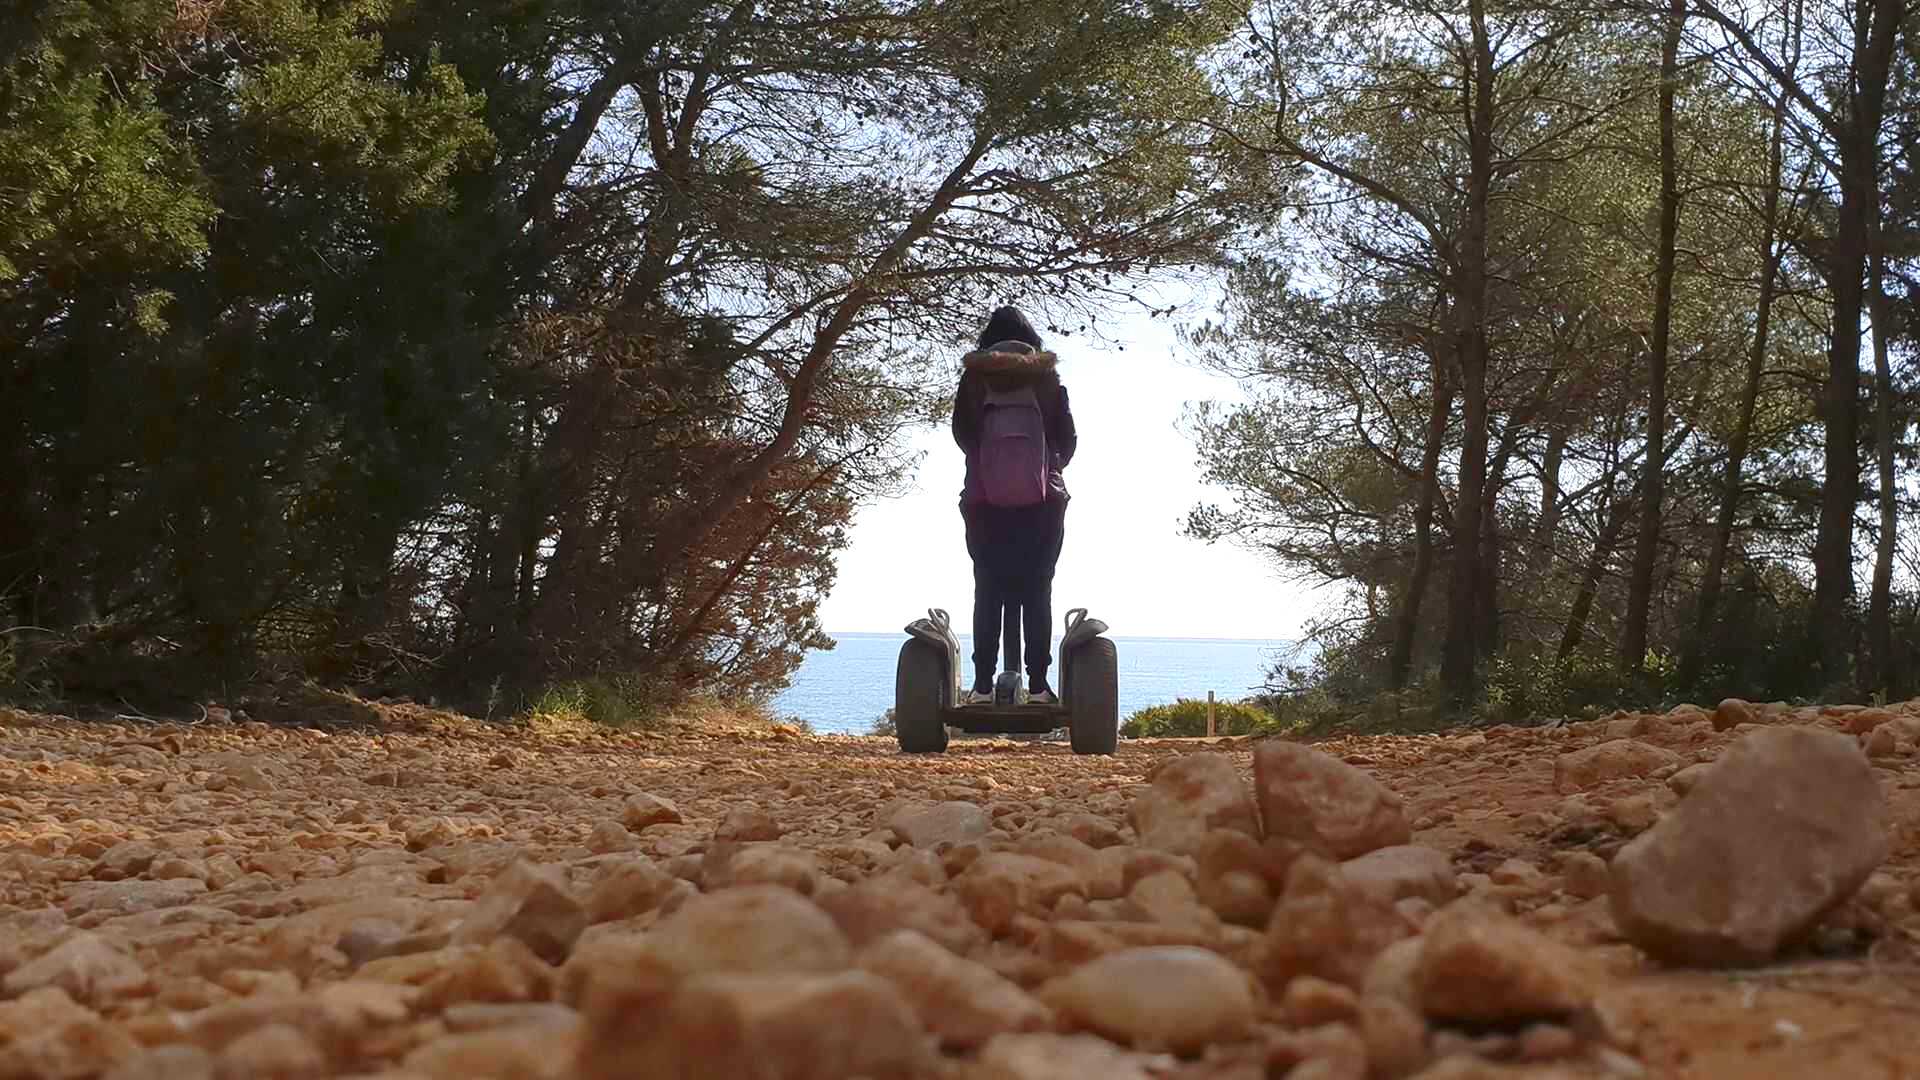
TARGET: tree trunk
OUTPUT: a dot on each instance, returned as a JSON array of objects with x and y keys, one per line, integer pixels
[
  {"x": 1633, "y": 636},
  {"x": 1407, "y": 619},
  {"x": 1576, "y": 627},
  {"x": 1546, "y": 530},
  {"x": 1858, "y": 136},
  {"x": 1458, "y": 664},
  {"x": 1879, "y": 619},
  {"x": 1730, "y": 481},
  {"x": 1487, "y": 638}
]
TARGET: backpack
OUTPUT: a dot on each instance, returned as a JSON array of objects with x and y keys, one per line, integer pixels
[{"x": 1013, "y": 449}]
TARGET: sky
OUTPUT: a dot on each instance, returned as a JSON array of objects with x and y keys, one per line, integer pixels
[{"x": 1133, "y": 479}]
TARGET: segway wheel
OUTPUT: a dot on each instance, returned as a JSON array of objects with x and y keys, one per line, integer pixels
[
  {"x": 918, "y": 694},
  {"x": 1093, "y": 698}
]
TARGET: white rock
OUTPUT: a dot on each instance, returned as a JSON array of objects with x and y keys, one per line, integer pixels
[{"x": 1160, "y": 997}]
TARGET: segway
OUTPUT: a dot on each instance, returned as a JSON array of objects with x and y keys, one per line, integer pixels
[{"x": 926, "y": 687}]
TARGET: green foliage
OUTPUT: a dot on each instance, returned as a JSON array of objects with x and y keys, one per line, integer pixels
[
  {"x": 1521, "y": 688},
  {"x": 608, "y": 701},
  {"x": 451, "y": 350},
  {"x": 1188, "y": 717},
  {"x": 883, "y": 725}
]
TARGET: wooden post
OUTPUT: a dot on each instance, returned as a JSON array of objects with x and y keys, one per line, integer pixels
[{"x": 1209, "y": 714}]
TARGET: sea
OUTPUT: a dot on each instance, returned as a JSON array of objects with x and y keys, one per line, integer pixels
[{"x": 846, "y": 688}]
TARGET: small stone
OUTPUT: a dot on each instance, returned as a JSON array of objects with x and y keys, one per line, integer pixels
[
  {"x": 1168, "y": 898},
  {"x": 1395, "y": 1037},
  {"x": 1653, "y": 725},
  {"x": 1166, "y": 997},
  {"x": 174, "y": 868},
  {"x": 1000, "y": 885},
  {"x": 1095, "y": 832},
  {"x": 1325, "y": 803},
  {"x": 744, "y": 823},
  {"x": 1634, "y": 814},
  {"x": 430, "y": 833},
  {"x": 1189, "y": 796},
  {"x": 1881, "y": 742},
  {"x": 1402, "y": 871},
  {"x": 1584, "y": 874},
  {"x": 1326, "y": 926},
  {"x": 106, "y": 899},
  {"x": 524, "y": 1052},
  {"x": 1612, "y": 760},
  {"x": 272, "y": 1052},
  {"x": 1733, "y": 712},
  {"x": 1137, "y": 863},
  {"x": 84, "y": 965},
  {"x": 1546, "y": 1042},
  {"x": 962, "y": 1002},
  {"x": 928, "y": 826},
  {"x": 532, "y": 903},
  {"x": 766, "y": 864},
  {"x": 1392, "y": 973},
  {"x": 1310, "y": 1001},
  {"x": 767, "y": 1026},
  {"x": 503, "y": 971},
  {"x": 1683, "y": 781},
  {"x": 609, "y": 837},
  {"x": 1053, "y": 1057},
  {"x": 1415, "y": 909},
  {"x": 643, "y": 810},
  {"x": 630, "y": 887},
  {"x": 127, "y": 859},
  {"x": 485, "y": 1016},
  {"x": 1481, "y": 967},
  {"x": 1238, "y": 877},
  {"x": 1103, "y": 876},
  {"x": 1326, "y": 1052},
  {"x": 754, "y": 928},
  {"x": 1519, "y": 873},
  {"x": 1787, "y": 825},
  {"x": 1867, "y": 720},
  {"x": 44, "y": 1033},
  {"x": 166, "y": 1063},
  {"x": 879, "y": 906},
  {"x": 247, "y": 776}
]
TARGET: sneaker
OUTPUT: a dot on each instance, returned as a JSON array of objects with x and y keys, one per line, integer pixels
[
  {"x": 977, "y": 697},
  {"x": 1043, "y": 696}
]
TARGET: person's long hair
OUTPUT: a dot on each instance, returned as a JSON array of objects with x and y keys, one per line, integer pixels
[{"x": 1008, "y": 324}]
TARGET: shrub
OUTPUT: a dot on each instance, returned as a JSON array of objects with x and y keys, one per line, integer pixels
[
  {"x": 883, "y": 725},
  {"x": 609, "y": 701},
  {"x": 1188, "y": 717}
]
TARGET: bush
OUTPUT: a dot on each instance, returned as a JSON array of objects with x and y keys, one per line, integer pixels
[
  {"x": 609, "y": 701},
  {"x": 1188, "y": 717},
  {"x": 883, "y": 725}
]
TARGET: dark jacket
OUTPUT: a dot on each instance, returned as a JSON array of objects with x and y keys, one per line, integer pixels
[{"x": 1006, "y": 365}]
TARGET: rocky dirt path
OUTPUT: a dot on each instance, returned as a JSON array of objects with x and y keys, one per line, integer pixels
[{"x": 447, "y": 900}]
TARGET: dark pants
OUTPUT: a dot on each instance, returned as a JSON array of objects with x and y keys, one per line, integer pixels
[{"x": 1014, "y": 551}]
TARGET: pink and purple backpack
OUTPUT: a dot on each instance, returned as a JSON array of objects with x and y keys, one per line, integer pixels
[{"x": 1013, "y": 449}]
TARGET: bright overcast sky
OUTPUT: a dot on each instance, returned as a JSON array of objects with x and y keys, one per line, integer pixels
[{"x": 1133, "y": 480}]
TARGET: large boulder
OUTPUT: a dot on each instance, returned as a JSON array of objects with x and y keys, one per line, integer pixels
[{"x": 1783, "y": 828}]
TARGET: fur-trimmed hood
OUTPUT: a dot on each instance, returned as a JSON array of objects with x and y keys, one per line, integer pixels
[{"x": 1010, "y": 356}]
